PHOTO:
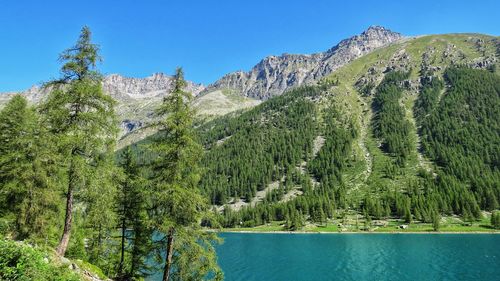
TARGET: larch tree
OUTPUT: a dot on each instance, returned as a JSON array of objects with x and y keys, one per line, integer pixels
[
  {"x": 82, "y": 119},
  {"x": 27, "y": 166},
  {"x": 177, "y": 205},
  {"x": 133, "y": 219}
]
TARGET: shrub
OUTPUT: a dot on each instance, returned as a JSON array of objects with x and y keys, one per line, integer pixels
[
  {"x": 21, "y": 262},
  {"x": 495, "y": 219}
]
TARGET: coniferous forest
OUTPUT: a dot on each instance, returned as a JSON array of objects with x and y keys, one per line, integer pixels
[
  {"x": 411, "y": 145},
  {"x": 272, "y": 145},
  {"x": 62, "y": 186},
  {"x": 464, "y": 183}
]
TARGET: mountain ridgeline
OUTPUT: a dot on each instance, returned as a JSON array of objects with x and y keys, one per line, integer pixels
[
  {"x": 138, "y": 97},
  {"x": 275, "y": 74}
]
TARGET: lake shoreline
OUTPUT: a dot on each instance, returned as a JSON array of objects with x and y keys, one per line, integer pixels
[{"x": 356, "y": 232}]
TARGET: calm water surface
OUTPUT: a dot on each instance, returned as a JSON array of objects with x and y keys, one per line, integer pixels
[{"x": 246, "y": 256}]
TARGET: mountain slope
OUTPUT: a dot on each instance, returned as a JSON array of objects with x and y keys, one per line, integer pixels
[{"x": 379, "y": 152}]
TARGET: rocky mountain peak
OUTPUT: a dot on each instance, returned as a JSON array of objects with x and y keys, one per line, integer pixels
[
  {"x": 377, "y": 30},
  {"x": 373, "y": 37},
  {"x": 274, "y": 75},
  {"x": 158, "y": 84}
]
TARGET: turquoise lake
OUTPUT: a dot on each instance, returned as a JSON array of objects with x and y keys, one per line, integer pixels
[
  {"x": 307, "y": 257},
  {"x": 247, "y": 256}
]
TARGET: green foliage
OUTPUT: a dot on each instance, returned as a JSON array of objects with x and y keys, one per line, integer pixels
[
  {"x": 81, "y": 119},
  {"x": 21, "y": 262},
  {"x": 436, "y": 222},
  {"x": 294, "y": 221},
  {"x": 132, "y": 214},
  {"x": 330, "y": 162},
  {"x": 177, "y": 206},
  {"x": 495, "y": 219},
  {"x": 390, "y": 124},
  {"x": 291, "y": 112},
  {"x": 262, "y": 145},
  {"x": 27, "y": 172},
  {"x": 91, "y": 268},
  {"x": 461, "y": 136},
  {"x": 429, "y": 96},
  {"x": 62, "y": 148},
  {"x": 423, "y": 197}
]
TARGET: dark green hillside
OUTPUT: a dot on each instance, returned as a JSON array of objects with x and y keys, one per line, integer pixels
[
  {"x": 462, "y": 133},
  {"x": 265, "y": 144},
  {"x": 459, "y": 134},
  {"x": 389, "y": 123},
  {"x": 400, "y": 133}
]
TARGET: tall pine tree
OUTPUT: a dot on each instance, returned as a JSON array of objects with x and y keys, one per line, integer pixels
[
  {"x": 82, "y": 118},
  {"x": 28, "y": 190},
  {"x": 135, "y": 244},
  {"x": 177, "y": 204}
]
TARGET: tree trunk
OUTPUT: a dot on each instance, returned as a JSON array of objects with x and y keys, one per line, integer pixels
[
  {"x": 170, "y": 251},
  {"x": 122, "y": 257},
  {"x": 63, "y": 243}
]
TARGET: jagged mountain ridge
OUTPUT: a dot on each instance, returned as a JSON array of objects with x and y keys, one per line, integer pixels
[
  {"x": 138, "y": 97},
  {"x": 275, "y": 74}
]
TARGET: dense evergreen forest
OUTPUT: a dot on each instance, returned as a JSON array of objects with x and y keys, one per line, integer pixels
[
  {"x": 62, "y": 187},
  {"x": 263, "y": 145},
  {"x": 459, "y": 132},
  {"x": 389, "y": 123},
  {"x": 270, "y": 148}
]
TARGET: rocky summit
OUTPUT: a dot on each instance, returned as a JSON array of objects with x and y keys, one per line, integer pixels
[{"x": 275, "y": 74}]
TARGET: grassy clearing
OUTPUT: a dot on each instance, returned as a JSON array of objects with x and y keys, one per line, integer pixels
[
  {"x": 270, "y": 227},
  {"x": 348, "y": 225}
]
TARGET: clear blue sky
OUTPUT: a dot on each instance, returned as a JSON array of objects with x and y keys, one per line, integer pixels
[{"x": 208, "y": 38}]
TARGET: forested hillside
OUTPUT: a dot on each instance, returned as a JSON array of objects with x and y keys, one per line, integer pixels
[
  {"x": 461, "y": 134},
  {"x": 409, "y": 131}
]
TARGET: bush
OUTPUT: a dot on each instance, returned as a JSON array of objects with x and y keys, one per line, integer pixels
[
  {"x": 495, "y": 219},
  {"x": 22, "y": 262}
]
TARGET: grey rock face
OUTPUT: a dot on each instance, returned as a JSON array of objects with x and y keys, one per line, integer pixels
[
  {"x": 157, "y": 85},
  {"x": 137, "y": 97},
  {"x": 276, "y": 74}
]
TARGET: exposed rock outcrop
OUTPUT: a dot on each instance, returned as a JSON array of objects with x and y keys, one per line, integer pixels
[
  {"x": 137, "y": 97},
  {"x": 275, "y": 74}
]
